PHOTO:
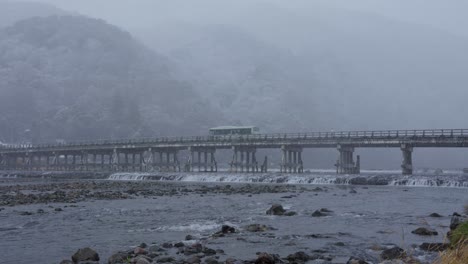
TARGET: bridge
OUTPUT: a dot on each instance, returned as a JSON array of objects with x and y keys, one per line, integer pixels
[{"x": 162, "y": 154}]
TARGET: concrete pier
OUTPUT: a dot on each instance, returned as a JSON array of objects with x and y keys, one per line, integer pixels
[
  {"x": 291, "y": 159},
  {"x": 203, "y": 159},
  {"x": 244, "y": 160},
  {"x": 345, "y": 163},
  {"x": 407, "y": 165}
]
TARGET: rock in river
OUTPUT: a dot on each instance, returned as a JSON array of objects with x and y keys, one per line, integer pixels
[
  {"x": 276, "y": 209},
  {"x": 265, "y": 258},
  {"x": 393, "y": 253},
  {"x": 456, "y": 220},
  {"x": 85, "y": 254},
  {"x": 422, "y": 231},
  {"x": 435, "y": 215},
  {"x": 257, "y": 228},
  {"x": 355, "y": 260},
  {"x": 434, "y": 246},
  {"x": 225, "y": 229},
  {"x": 119, "y": 257},
  {"x": 140, "y": 251},
  {"x": 319, "y": 213},
  {"x": 298, "y": 257}
]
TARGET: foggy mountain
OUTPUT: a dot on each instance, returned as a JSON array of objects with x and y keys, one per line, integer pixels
[
  {"x": 348, "y": 69},
  {"x": 11, "y": 12},
  {"x": 249, "y": 81},
  {"x": 73, "y": 77},
  {"x": 289, "y": 67}
]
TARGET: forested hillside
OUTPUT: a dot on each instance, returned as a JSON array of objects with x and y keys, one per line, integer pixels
[{"x": 74, "y": 77}]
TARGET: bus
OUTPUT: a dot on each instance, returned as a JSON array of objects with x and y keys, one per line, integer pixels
[{"x": 233, "y": 130}]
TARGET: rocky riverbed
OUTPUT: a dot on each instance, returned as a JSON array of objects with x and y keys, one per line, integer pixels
[
  {"x": 48, "y": 220},
  {"x": 12, "y": 194}
]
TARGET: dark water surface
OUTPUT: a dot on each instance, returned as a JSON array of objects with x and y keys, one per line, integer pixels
[{"x": 373, "y": 216}]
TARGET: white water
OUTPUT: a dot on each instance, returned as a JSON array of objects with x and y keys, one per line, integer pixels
[
  {"x": 452, "y": 181},
  {"x": 8, "y": 176},
  {"x": 424, "y": 182}
]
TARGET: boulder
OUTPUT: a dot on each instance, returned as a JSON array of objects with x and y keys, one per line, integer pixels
[
  {"x": 211, "y": 261},
  {"x": 178, "y": 245},
  {"x": 298, "y": 257},
  {"x": 422, "y": 231},
  {"x": 168, "y": 245},
  {"x": 155, "y": 249},
  {"x": 66, "y": 261},
  {"x": 232, "y": 261},
  {"x": 393, "y": 253},
  {"x": 140, "y": 251},
  {"x": 257, "y": 228},
  {"x": 189, "y": 237},
  {"x": 208, "y": 251},
  {"x": 434, "y": 246},
  {"x": 356, "y": 260},
  {"x": 318, "y": 213},
  {"x": 290, "y": 213},
  {"x": 26, "y": 213},
  {"x": 166, "y": 260},
  {"x": 455, "y": 221},
  {"x": 276, "y": 209},
  {"x": 143, "y": 245},
  {"x": 193, "y": 249},
  {"x": 119, "y": 257},
  {"x": 435, "y": 215},
  {"x": 143, "y": 260},
  {"x": 265, "y": 258},
  {"x": 193, "y": 260},
  {"x": 225, "y": 229},
  {"x": 358, "y": 181},
  {"x": 85, "y": 254}
]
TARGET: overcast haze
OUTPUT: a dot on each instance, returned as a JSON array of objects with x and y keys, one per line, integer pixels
[{"x": 281, "y": 65}]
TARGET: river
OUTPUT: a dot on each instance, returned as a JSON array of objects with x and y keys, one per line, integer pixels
[{"x": 364, "y": 218}]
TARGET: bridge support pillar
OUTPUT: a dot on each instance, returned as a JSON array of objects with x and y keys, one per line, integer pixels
[
  {"x": 168, "y": 159},
  {"x": 114, "y": 160},
  {"x": 291, "y": 161},
  {"x": 345, "y": 163},
  {"x": 206, "y": 161},
  {"x": 264, "y": 167},
  {"x": 65, "y": 162},
  {"x": 103, "y": 158},
  {"x": 2, "y": 162},
  {"x": 407, "y": 165},
  {"x": 244, "y": 158}
]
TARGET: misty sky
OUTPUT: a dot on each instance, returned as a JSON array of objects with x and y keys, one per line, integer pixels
[
  {"x": 449, "y": 15},
  {"x": 445, "y": 15}
]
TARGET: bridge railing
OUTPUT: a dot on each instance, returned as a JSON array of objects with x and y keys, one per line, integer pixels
[{"x": 254, "y": 137}]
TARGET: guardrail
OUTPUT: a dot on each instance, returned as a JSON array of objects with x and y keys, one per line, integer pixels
[{"x": 255, "y": 137}]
